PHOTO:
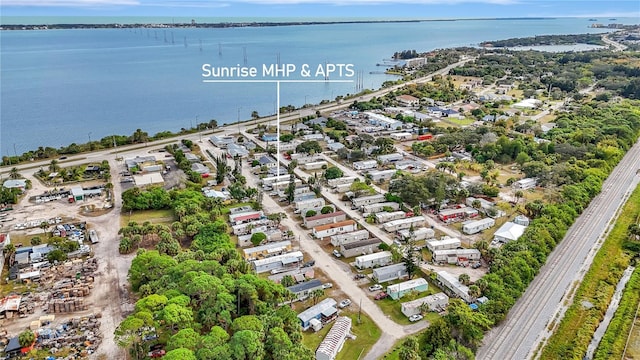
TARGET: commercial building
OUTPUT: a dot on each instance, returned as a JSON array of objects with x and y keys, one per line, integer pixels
[
  {"x": 362, "y": 247},
  {"x": 383, "y": 121},
  {"x": 367, "y": 200},
  {"x": 277, "y": 263},
  {"x": 383, "y": 216},
  {"x": 397, "y": 291},
  {"x": 454, "y": 287},
  {"x": 372, "y": 260},
  {"x": 267, "y": 250},
  {"x": 420, "y": 233},
  {"x": 453, "y": 256},
  {"x": 302, "y": 290},
  {"x": 444, "y": 244},
  {"x": 389, "y": 273},
  {"x": 365, "y": 165},
  {"x": 221, "y": 141},
  {"x": 325, "y": 311},
  {"x": 475, "y": 226},
  {"x": 406, "y": 223},
  {"x": 322, "y": 231},
  {"x": 333, "y": 342},
  {"x": 435, "y": 302},
  {"x": 346, "y": 238},
  {"x": 509, "y": 232},
  {"x": 323, "y": 219}
]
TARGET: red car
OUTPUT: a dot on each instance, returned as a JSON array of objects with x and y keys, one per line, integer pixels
[
  {"x": 381, "y": 295},
  {"x": 156, "y": 354}
]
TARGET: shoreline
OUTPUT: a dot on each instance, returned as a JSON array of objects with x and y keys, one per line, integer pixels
[{"x": 222, "y": 25}]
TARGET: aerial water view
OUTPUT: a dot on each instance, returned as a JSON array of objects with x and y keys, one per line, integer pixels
[{"x": 319, "y": 179}]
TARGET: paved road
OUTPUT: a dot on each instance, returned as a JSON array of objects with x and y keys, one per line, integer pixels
[
  {"x": 616, "y": 45},
  {"x": 526, "y": 324}
]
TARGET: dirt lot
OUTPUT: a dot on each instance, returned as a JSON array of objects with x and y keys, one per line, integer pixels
[{"x": 109, "y": 296}]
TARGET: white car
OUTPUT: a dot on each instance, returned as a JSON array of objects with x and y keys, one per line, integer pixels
[
  {"x": 375, "y": 287},
  {"x": 344, "y": 303},
  {"x": 416, "y": 317},
  {"x": 336, "y": 253},
  {"x": 327, "y": 285}
]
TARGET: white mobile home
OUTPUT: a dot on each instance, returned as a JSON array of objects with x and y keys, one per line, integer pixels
[
  {"x": 333, "y": 342},
  {"x": 365, "y": 165},
  {"x": 381, "y": 175},
  {"x": 325, "y": 310},
  {"x": 406, "y": 223},
  {"x": 342, "y": 188},
  {"x": 309, "y": 203},
  {"x": 323, "y": 231},
  {"x": 390, "y": 273},
  {"x": 383, "y": 216},
  {"x": 341, "y": 180},
  {"x": 389, "y": 158},
  {"x": 367, "y": 200},
  {"x": 267, "y": 250},
  {"x": 372, "y": 260},
  {"x": 317, "y": 165},
  {"x": 281, "y": 184},
  {"x": 433, "y": 302},
  {"x": 444, "y": 244},
  {"x": 454, "y": 286},
  {"x": 339, "y": 239},
  {"x": 302, "y": 160},
  {"x": 273, "y": 179},
  {"x": 421, "y": 233},
  {"x": 397, "y": 291},
  {"x": 374, "y": 208},
  {"x": 453, "y": 256},
  {"x": 474, "y": 227},
  {"x": 362, "y": 247},
  {"x": 401, "y": 136},
  {"x": 279, "y": 262},
  {"x": 323, "y": 219},
  {"x": 525, "y": 184}
]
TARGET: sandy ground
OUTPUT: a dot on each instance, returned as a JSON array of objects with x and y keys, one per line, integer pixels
[{"x": 109, "y": 296}]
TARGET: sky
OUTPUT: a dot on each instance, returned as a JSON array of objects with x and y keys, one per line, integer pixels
[{"x": 409, "y": 9}]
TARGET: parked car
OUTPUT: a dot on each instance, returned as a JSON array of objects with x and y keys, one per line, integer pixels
[
  {"x": 381, "y": 295},
  {"x": 344, "y": 303},
  {"x": 375, "y": 287},
  {"x": 336, "y": 253},
  {"x": 327, "y": 285},
  {"x": 359, "y": 276},
  {"x": 416, "y": 317},
  {"x": 476, "y": 265}
]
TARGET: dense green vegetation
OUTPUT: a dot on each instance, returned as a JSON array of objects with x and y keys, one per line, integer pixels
[
  {"x": 613, "y": 342},
  {"x": 107, "y": 142},
  {"x": 593, "y": 39},
  {"x": 572, "y": 336},
  {"x": 203, "y": 301}
]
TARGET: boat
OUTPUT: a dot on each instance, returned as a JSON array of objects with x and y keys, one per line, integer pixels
[{"x": 593, "y": 19}]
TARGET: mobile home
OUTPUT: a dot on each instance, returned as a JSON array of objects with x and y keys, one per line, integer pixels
[
  {"x": 420, "y": 233},
  {"x": 323, "y": 219},
  {"x": 453, "y": 256},
  {"x": 453, "y": 286},
  {"x": 341, "y": 180},
  {"x": 474, "y": 227},
  {"x": 322, "y": 231},
  {"x": 374, "y": 208},
  {"x": 365, "y": 165},
  {"x": 317, "y": 165},
  {"x": 362, "y": 247},
  {"x": 367, "y": 200},
  {"x": 406, "y": 223},
  {"x": 339, "y": 239},
  {"x": 397, "y": 291},
  {"x": 342, "y": 188},
  {"x": 433, "y": 302},
  {"x": 277, "y": 263},
  {"x": 444, "y": 244},
  {"x": 382, "y": 175},
  {"x": 309, "y": 203},
  {"x": 383, "y": 216},
  {"x": 390, "y": 273},
  {"x": 372, "y": 260}
]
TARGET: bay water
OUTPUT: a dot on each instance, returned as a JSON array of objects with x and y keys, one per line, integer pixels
[{"x": 63, "y": 86}]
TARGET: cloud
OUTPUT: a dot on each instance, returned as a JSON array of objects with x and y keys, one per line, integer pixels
[
  {"x": 378, "y": 2},
  {"x": 69, "y": 3}
]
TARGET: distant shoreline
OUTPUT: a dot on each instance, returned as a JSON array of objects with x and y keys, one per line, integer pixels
[{"x": 234, "y": 24}]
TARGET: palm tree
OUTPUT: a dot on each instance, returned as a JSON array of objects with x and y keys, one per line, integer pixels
[
  {"x": 519, "y": 195},
  {"x": 464, "y": 279},
  {"x": 44, "y": 226},
  {"x": 14, "y": 174},
  {"x": 53, "y": 165}
]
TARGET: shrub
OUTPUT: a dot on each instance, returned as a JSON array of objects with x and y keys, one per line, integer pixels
[{"x": 258, "y": 238}]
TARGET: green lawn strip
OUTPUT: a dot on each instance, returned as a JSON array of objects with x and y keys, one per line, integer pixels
[
  {"x": 571, "y": 338},
  {"x": 154, "y": 216},
  {"x": 394, "y": 353},
  {"x": 311, "y": 339},
  {"x": 613, "y": 342}
]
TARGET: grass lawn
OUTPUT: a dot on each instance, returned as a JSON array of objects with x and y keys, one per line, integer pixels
[
  {"x": 154, "y": 216},
  {"x": 366, "y": 332},
  {"x": 392, "y": 308},
  {"x": 459, "y": 122},
  {"x": 25, "y": 239},
  {"x": 572, "y": 336},
  {"x": 547, "y": 118}
]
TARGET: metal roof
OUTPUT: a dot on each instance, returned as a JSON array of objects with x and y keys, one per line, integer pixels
[{"x": 313, "y": 311}]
